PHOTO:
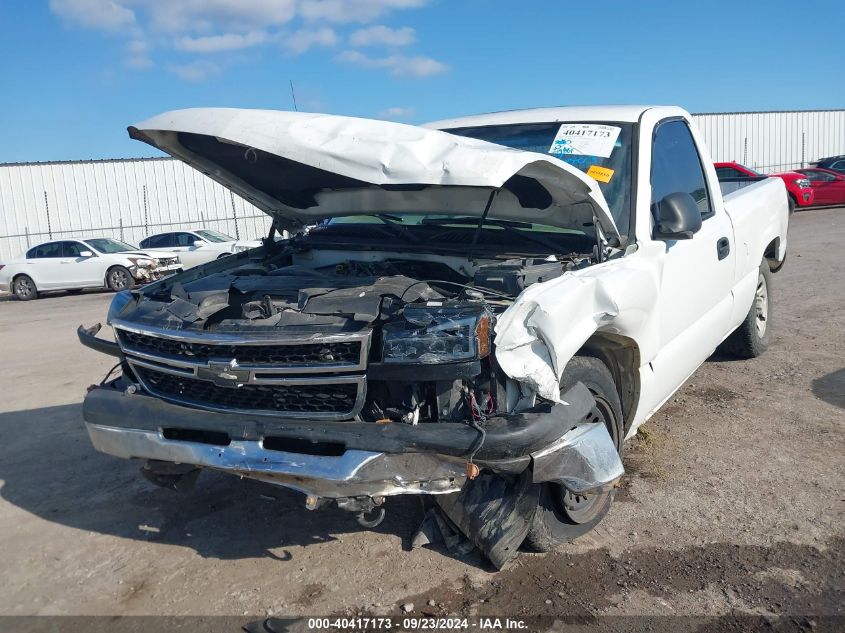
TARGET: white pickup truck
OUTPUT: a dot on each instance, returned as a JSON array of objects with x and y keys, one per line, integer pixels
[{"x": 486, "y": 309}]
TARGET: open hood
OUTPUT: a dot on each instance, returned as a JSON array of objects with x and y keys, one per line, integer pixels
[{"x": 300, "y": 168}]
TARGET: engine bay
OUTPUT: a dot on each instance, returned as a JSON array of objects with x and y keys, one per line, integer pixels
[{"x": 425, "y": 323}]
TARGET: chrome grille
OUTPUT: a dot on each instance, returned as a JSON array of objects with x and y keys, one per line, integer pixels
[
  {"x": 328, "y": 398},
  {"x": 330, "y": 354},
  {"x": 306, "y": 377}
]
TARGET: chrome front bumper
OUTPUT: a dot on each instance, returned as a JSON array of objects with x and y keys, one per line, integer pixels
[{"x": 355, "y": 473}]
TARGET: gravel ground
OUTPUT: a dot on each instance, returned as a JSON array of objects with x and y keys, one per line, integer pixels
[{"x": 733, "y": 502}]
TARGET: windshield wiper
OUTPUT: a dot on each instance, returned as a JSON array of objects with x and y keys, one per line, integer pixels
[
  {"x": 396, "y": 228},
  {"x": 511, "y": 227}
]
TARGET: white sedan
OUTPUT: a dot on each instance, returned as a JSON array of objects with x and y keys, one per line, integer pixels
[
  {"x": 197, "y": 247},
  {"x": 89, "y": 263}
]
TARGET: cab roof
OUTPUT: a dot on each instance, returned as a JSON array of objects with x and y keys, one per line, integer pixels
[{"x": 620, "y": 113}]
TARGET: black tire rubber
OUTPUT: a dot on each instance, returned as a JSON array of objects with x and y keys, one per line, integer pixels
[
  {"x": 747, "y": 341},
  {"x": 24, "y": 288},
  {"x": 792, "y": 204},
  {"x": 553, "y": 524},
  {"x": 115, "y": 274}
]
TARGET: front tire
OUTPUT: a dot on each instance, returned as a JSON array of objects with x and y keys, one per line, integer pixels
[
  {"x": 751, "y": 338},
  {"x": 24, "y": 288},
  {"x": 562, "y": 516},
  {"x": 792, "y": 204},
  {"x": 119, "y": 278}
]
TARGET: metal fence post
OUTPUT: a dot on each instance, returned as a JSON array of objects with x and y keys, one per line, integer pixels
[
  {"x": 146, "y": 214},
  {"x": 745, "y": 151},
  {"x": 121, "y": 229},
  {"x": 47, "y": 207},
  {"x": 803, "y": 149},
  {"x": 234, "y": 215},
  {"x": 26, "y": 232}
]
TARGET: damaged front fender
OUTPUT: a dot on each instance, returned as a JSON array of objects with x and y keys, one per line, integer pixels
[{"x": 549, "y": 322}]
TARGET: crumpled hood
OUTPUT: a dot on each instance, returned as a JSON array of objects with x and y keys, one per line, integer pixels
[{"x": 299, "y": 168}]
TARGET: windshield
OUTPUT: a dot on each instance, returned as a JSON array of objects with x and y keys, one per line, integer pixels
[
  {"x": 108, "y": 245},
  {"x": 601, "y": 150},
  {"x": 214, "y": 236}
]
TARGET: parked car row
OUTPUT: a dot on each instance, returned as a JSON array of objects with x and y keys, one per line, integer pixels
[
  {"x": 75, "y": 264},
  {"x": 823, "y": 184}
]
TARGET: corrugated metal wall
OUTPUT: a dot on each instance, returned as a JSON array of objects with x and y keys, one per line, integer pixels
[
  {"x": 125, "y": 199},
  {"x": 774, "y": 141},
  {"x": 130, "y": 199}
]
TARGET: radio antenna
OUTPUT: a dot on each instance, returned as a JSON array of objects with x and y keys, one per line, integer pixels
[{"x": 293, "y": 96}]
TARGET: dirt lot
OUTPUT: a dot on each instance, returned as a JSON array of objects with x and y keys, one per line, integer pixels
[{"x": 733, "y": 502}]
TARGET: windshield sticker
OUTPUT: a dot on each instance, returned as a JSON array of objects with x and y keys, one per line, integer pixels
[
  {"x": 602, "y": 174},
  {"x": 579, "y": 161},
  {"x": 588, "y": 139}
]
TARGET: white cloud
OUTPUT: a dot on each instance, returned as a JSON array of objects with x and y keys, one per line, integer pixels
[
  {"x": 383, "y": 35},
  {"x": 138, "y": 55},
  {"x": 220, "y": 43},
  {"x": 396, "y": 113},
  {"x": 303, "y": 39},
  {"x": 199, "y": 16},
  {"x": 156, "y": 28},
  {"x": 398, "y": 65},
  {"x": 353, "y": 10},
  {"x": 197, "y": 71},
  {"x": 94, "y": 14}
]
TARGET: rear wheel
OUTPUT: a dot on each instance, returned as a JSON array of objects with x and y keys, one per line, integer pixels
[
  {"x": 561, "y": 515},
  {"x": 119, "y": 278},
  {"x": 24, "y": 288},
  {"x": 751, "y": 338},
  {"x": 792, "y": 204}
]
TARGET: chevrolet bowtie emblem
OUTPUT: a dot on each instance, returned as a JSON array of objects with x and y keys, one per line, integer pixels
[{"x": 224, "y": 373}]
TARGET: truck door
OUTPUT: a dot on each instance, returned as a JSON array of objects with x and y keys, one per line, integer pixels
[{"x": 695, "y": 300}]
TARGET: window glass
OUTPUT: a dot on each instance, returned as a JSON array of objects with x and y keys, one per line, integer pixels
[
  {"x": 53, "y": 249},
  {"x": 108, "y": 245},
  {"x": 185, "y": 239},
  {"x": 214, "y": 236},
  {"x": 730, "y": 172},
  {"x": 158, "y": 241},
  {"x": 73, "y": 249},
  {"x": 676, "y": 166},
  {"x": 838, "y": 165}
]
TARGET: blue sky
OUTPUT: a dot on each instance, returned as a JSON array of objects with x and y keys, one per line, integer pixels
[{"x": 75, "y": 73}]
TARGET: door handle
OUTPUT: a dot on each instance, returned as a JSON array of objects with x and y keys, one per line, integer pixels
[{"x": 723, "y": 248}]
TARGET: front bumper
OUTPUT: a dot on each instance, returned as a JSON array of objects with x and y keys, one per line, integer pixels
[
  {"x": 370, "y": 459},
  {"x": 806, "y": 198},
  {"x": 146, "y": 274}
]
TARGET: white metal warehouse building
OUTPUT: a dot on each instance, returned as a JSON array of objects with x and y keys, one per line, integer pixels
[{"x": 132, "y": 198}]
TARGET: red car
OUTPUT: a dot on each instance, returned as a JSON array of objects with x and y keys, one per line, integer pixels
[
  {"x": 797, "y": 186},
  {"x": 828, "y": 185}
]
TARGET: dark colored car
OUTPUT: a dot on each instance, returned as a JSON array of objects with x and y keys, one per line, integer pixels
[
  {"x": 834, "y": 163},
  {"x": 828, "y": 185},
  {"x": 798, "y": 188}
]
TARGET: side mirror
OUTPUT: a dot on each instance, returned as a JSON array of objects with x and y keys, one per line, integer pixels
[
  {"x": 199, "y": 242},
  {"x": 86, "y": 254},
  {"x": 678, "y": 217}
]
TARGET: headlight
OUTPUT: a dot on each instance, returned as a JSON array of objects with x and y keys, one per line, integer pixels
[
  {"x": 237, "y": 248},
  {"x": 437, "y": 335},
  {"x": 143, "y": 262},
  {"x": 118, "y": 302},
  {"x": 803, "y": 183}
]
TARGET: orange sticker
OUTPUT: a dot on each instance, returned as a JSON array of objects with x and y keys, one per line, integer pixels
[{"x": 602, "y": 174}]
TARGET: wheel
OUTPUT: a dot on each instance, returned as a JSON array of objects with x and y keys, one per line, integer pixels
[
  {"x": 24, "y": 288},
  {"x": 792, "y": 204},
  {"x": 119, "y": 278},
  {"x": 562, "y": 516},
  {"x": 751, "y": 338}
]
